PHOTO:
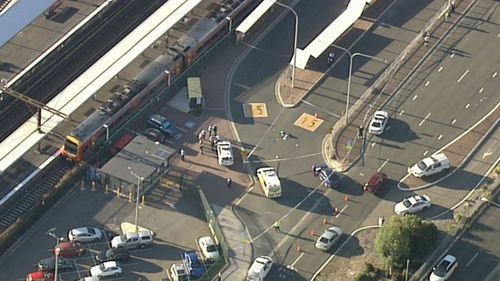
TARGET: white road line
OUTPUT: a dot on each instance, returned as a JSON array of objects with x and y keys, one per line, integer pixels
[
  {"x": 401, "y": 113},
  {"x": 467, "y": 105},
  {"x": 373, "y": 144},
  {"x": 453, "y": 121},
  {"x": 452, "y": 55},
  {"x": 481, "y": 90},
  {"x": 283, "y": 159},
  {"x": 327, "y": 112},
  {"x": 440, "y": 68},
  {"x": 343, "y": 209},
  {"x": 297, "y": 259},
  {"x": 414, "y": 97},
  {"x": 423, "y": 120},
  {"x": 463, "y": 75},
  {"x": 494, "y": 75},
  {"x": 425, "y": 152},
  {"x": 383, "y": 164},
  {"x": 440, "y": 137},
  {"x": 471, "y": 260},
  {"x": 427, "y": 83}
]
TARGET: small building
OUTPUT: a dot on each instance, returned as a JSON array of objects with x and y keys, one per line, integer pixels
[
  {"x": 195, "y": 95},
  {"x": 141, "y": 161}
]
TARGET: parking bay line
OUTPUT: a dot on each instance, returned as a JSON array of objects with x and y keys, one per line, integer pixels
[
  {"x": 423, "y": 120},
  {"x": 292, "y": 266},
  {"x": 471, "y": 260},
  {"x": 343, "y": 209},
  {"x": 383, "y": 164}
]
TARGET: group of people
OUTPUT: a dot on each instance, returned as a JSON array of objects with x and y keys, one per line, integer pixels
[{"x": 212, "y": 136}]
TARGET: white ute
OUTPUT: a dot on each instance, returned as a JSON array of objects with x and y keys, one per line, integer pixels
[
  {"x": 132, "y": 240},
  {"x": 429, "y": 166}
]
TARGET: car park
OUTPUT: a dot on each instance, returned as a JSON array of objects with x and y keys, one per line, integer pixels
[
  {"x": 49, "y": 265},
  {"x": 412, "y": 205},
  {"x": 373, "y": 184},
  {"x": 154, "y": 135},
  {"x": 259, "y": 268},
  {"x": 163, "y": 124},
  {"x": 327, "y": 176},
  {"x": 328, "y": 238},
  {"x": 69, "y": 249},
  {"x": 193, "y": 264},
  {"x": 105, "y": 269},
  {"x": 269, "y": 181},
  {"x": 444, "y": 269},
  {"x": 113, "y": 254},
  {"x": 378, "y": 122},
  {"x": 429, "y": 166},
  {"x": 133, "y": 239},
  {"x": 85, "y": 234},
  {"x": 178, "y": 272},
  {"x": 40, "y": 276},
  {"x": 208, "y": 248},
  {"x": 225, "y": 153}
]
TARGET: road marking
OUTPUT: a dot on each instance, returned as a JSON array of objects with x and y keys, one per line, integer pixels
[
  {"x": 327, "y": 112},
  {"x": 481, "y": 90},
  {"x": 425, "y": 152},
  {"x": 343, "y": 209},
  {"x": 373, "y": 144},
  {"x": 487, "y": 153},
  {"x": 440, "y": 137},
  {"x": 401, "y": 113},
  {"x": 427, "y": 83},
  {"x": 296, "y": 260},
  {"x": 283, "y": 159},
  {"x": 472, "y": 259},
  {"x": 383, "y": 164},
  {"x": 308, "y": 122},
  {"x": 494, "y": 75},
  {"x": 170, "y": 204},
  {"x": 453, "y": 121},
  {"x": 423, "y": 120},
  {"x": 452, "y": 54},
  {"x": 440, "y": 68},
  {"x": 467, "y": 105},
  {"x": 463, "y": 75},
  {"x": 414, "y": 97}
]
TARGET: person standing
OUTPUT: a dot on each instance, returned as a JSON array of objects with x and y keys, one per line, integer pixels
[
  {"x": 228, "y": 182},
  {"x": 331, "y": 59},
  {"x": 360, "y": 132},
  {"x": 201, "y": 148},
  {"x": 276, "y": 226},
  {"x": 209, "y": 130},
  {"x": 214, "y": 127},
  {"x": 182, "y": 154}
]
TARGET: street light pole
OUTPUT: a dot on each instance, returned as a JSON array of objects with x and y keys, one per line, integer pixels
[
  {"x": 484, "y": 199},
  {"x": 296, "y": 33},
  {"x": 139, "y": 180},
  {"x": 51, "y": 233},
  {"x": 351, "y": 57},
  {"x": 107, "y": 131}
]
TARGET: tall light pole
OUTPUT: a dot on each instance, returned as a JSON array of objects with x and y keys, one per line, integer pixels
[
  {"x": 294, "y": 40},
  {"x": 107, "y": 131},
  {"x": 51, "y": 233},
  {"x": 484, "y": 199},
  {"x": 139, "y": 180},
  {"x": 351, "y": 57}
]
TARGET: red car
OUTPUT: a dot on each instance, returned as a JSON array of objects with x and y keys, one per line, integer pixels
[
  {"x": 40, "y": 276},
  {"x": 69, "y": 249},
  {"x": 374, "y": 183}
]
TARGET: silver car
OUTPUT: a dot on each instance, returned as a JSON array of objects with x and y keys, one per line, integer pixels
[
  {"x": 85, "y": 234},
  {"x": 328, "y": 238}
]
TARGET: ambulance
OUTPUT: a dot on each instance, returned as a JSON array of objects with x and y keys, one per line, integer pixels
[{"x": 269, "y": 182}]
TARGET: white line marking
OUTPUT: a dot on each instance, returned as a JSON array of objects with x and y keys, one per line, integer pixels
[
  {"x": 282, "y": 159},
  {"x": 454, "y": 120},
  {"x": 401, "y": 113},
  {"x": 373, "y": 144},
  {"x": 463, "y": 75},
  {"x": 467, "y": 105},
  {"x": 481, "y": 90},
  {"x": 494, "y": 75},
  {"x": 297, "y": 259},
  {"x": 383, "y": 164},
  {"x": 423, "y": 120},
  {"x": 440, "y": 68},
  {"x": 427, "y": 83},
  {"x": 452, "y": 55},
  {"x": 471, "y": 260},
  {"x": 343, "y": 209},
  {"x": 487, "y": 153},
  {"x": 414, "y": 97},
  {"x": 425, "y": 152},
  {"x": 440, "y": 137}
]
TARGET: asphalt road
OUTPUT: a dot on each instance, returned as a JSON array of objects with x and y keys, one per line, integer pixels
[{"x": 405, "y": 141}]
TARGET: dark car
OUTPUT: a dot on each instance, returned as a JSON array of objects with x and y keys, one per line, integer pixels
[
  {"x": 154, "y": 135},
  {"x": 113, "y": 254},
  {"x": 193, "y": 264},
  {"x": 163, "y": 124},
  {"x": 328, "y": 176},
  {"x": 374, "y": 183},
  {"x": 69, "y": 249},
  {"x": 48, "y": 265}
]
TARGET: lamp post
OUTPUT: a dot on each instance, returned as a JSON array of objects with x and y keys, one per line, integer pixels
[
  {"x": 107, "y": 131},
  {"x": 51, "y": 233},
  {"x": 230, "y": 20},
  {"x": 351, "y": 57},
  {"x": 296, "y": 32},
  {"x": 139, "y": 180},
  {"x": 484, "y": 199}
]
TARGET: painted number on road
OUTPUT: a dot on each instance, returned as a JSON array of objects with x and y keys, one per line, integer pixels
[
  {"x": 255, "y": 110},
  {"x": 308, "y": 122}
]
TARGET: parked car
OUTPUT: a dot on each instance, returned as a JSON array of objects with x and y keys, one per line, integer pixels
[
  {"x": 412, "y": 205},
  {"x": 113, "y": 254},
  {"x": 374, "y": 183},
  {"x": 193, "y": 264},
  {"x": 378, "y": 122},
  {"x": 208, "y": 248},
  {"x": 133, "y": 239},
  {"x": 431, "y": 165},
  {"x": 85, "y": 234},
  {"x": 69, "y": 249},
  {"x": 154, "y": 135},
  {"x": 328, "y": 176},
  {"x": 89, "y": 278},
  {"x": 259, "y": 268},
  {"x": 444, "y": 269},
  {"x": 178, "y": 272},
  {"x": 40, "y": 276},
  {"x": 328, "y": 238},
  {"x": 109, "y": 268},
  {"x": 48, "y": 265},
  {"x": 163, "y": 124}
]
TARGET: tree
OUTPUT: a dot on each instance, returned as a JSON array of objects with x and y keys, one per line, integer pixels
[{"x": 403, "y": 238}]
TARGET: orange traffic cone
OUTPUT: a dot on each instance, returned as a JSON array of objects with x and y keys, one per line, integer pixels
[
  {"x": 324, "y": 221},
  {"x": 346, "y": 198}
]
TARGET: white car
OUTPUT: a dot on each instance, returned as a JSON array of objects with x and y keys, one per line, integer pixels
[
  {"x": 109, "y": 268},
  {"x": 178, "y": 272},
  {"x": 269, "y": 181},
  {"x": 444, "y": 269},
  {"x": 378, "y": 122},
  {"x": 429, "y": 166},
  {"x": 208, "y": 248},
  {"x": 90, "y": 278},
  {"x": 259, "y": 269},
  {"x": 225, "y": 153},
  {"x": 328, "y": 238},
  {"x": 85, "y": 234},
  {"x": 412, "y": 205}
]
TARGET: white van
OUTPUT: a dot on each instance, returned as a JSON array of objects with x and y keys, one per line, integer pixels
[
  {"x": 225, "y": 153},
  {"x": 269, "y": 181},
  {"x": 429, "y": 166}
]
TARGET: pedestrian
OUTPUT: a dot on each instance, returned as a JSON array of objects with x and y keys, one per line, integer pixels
[
  {"x": 203, "y": 133},
  {"x": 276, "y": 226},
  {"x": 446, "y": 15},
  {"x": 219, "y": 277},
  {"x": 282, "y": 134},
  {"x": 209, "y": 130},
  {"x": 360, "y": 132},
  {"x": 182, "y": 154},
  {"x": 213, "y": 145},
  {"x": 217, "y": 138},
  {"x": 452, "y": 6},
  {"x": 201, "y": 148},
  {"x": 214, "y": 127},
  {"x": 314, "y": 170},
  {"x": 200, "y": 137},
  {"x": 228, "y": 182},
  {"x": 426, "y": 38},
  {"x": 331, "y": 59}
]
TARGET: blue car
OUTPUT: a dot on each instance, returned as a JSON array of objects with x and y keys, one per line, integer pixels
[
  {"x": 193, "y": 264},
  {"x": 328, "y": 176},
  {"x": 159, "y": 122}
]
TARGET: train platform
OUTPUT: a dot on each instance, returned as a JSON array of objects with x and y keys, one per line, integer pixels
[{"x": 21, "y": 45}]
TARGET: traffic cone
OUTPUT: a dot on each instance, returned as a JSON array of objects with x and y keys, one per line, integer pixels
[
  {"x": 298, "y": 249},
  {"x": 346, "y": 198},
  {"x": 312, "y": 233},
  {"x": 324, "y": 221}
]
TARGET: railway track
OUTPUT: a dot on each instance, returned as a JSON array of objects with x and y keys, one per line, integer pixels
[{"x": 33, "y": 193}]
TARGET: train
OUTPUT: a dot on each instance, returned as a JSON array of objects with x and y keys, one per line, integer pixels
[{"x": 178, "y": 56}]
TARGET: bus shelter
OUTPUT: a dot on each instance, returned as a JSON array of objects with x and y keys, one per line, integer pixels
[{"x": 195, "y": 95}]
